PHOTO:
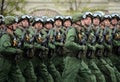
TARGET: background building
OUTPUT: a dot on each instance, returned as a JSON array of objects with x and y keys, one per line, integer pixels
[{"x": 68, "y": 7}]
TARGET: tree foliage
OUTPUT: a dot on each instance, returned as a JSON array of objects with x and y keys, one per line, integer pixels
[{"x": 10, "y": 7}]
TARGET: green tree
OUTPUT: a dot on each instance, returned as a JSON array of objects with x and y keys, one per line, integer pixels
[{"x": 10, "y": 7}]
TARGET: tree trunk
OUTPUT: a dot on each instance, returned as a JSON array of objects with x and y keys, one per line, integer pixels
[
  {"x": 2, "y": 5},
  {"x": 76, "y": 7}
]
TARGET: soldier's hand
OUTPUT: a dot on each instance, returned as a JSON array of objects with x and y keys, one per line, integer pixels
[
  {"x": 44, "y": 48},
  {"x": 93, "y": 48},
  {"x": 18, "y": 51},
  {"x": 84, "y": 48},
  {"x": 31, "y": 46},
  {"x": 61, "y": 44}
]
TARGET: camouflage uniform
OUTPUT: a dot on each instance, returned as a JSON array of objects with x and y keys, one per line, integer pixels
[{"x": 9, "y": 68}]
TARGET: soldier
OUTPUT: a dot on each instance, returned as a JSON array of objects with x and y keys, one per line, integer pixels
[
  {"x": 75, "y": 69},
  {"x": 49, "y": 33},
  {"x": 59, "y": 42},
  {"x": 87, "y": 22},
  {"x": 26, "y": 45},
  {"x": 67, "y": 21},
  {"x": 39, "y": 42},
  {"x": 115, "y": 33},
  {"x": 108, "y": 49},
  {"x": 91, "y": 42},
  {"x": 105, "y": 68},
  {"x": 10, "y": 70}
]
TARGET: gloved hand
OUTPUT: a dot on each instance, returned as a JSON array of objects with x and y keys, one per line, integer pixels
[
  {"x": 44, "y": 48},
  {"x": 92, "y": 48},
  {"x": 26, "y": 45},
  {"x": 19, "y": 51},
  {"x": 31, "y": 46},
  {"x": 61, "y": 44},
  {"x": 51, "y": 46},
  {"x": 84, "y": 47}
]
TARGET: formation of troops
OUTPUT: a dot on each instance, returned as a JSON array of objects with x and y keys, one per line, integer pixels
[{"x": 80, "y": 48}]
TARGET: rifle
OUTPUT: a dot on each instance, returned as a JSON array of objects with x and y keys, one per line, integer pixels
[
  {"x": 88, "y": 30},
  {"x": 100, "y": 40},
  {"x": 92, "y": 39},
  {"x": 15, "y": 44},
  {"x": 21, "y": 42},
  {"x": 109, "y": 39},
  {"x": 105, "y": 31},
  {"x": 60, "y": 38},
  {"x": 82, "y": 41},
  {"x": 44, "y": 42},
  {"x": 97, "y": 32},
  {"x": 114, "y": 30},
  {"x": 26, "y": 38}
]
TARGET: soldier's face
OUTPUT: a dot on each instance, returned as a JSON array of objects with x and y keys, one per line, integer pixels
[
  {"x": 88, "y": 21},
  {"x": 107, "y": 22},
  {"x": 2, "y": 25},
  {"x": 78, "y": 23},
  {"x": 114, "y": 21},
  {"x": 96, "y": 21},
  {"x": 102, "y": 24},
  {"x": 82, "y": 22},
  {"x": 49, "y": 26},
  {"x": 14, "y": 26},
  {"x": 58, "y": 23},
  {"x": 38, "y": 25},
  {"x": 76, "y": 26},
  {"x": 67, "y": 23},
  {"x": 25, "y": 23}
]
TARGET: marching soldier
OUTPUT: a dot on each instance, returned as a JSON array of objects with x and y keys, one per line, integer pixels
[
  {"x": 75, "y": 69},
  {"x": 59, "y": 42},
  {"x": 115, "y": 33},
  {"x": 10, "y": 54},
  {"x": 49, "y": 34},
  {"x": 108, "y": 44},
  {"x": 91, "y": 42},
  {"x": 106, "y": 69},
  {"x": 26, "y": 45},
  {"x": 39, "y": 44}
]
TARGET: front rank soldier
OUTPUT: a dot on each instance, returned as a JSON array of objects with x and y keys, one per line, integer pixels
[
  {"x": 75, "y": 68},
  {"x": 91, "y": 44},
  {"x": 9, "y": 68}
]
